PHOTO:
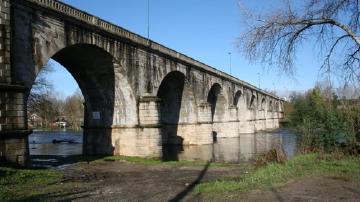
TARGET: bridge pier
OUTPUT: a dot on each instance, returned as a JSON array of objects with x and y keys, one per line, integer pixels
[
  {"x": 13, "y": 126},
  {"x": 92, "y": 137},
  {"x": 14, "y": 148}
]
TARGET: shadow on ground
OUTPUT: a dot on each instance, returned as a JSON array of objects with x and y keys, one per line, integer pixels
[{"x": 55, "y": 160}]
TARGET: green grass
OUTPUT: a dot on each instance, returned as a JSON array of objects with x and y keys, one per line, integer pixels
[
  {"x": 277, "y": 174},
  {"x": 26, "y": 184}
]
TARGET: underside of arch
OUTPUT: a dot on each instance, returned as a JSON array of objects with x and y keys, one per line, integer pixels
[{"x": 217, "y": 101}]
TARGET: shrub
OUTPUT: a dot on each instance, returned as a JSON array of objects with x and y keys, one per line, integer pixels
[{"x": 321, "y": 122}]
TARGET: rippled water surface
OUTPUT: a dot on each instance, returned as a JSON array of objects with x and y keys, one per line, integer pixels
[
  {"x": 57, "y": 147},
  {"x": 239, "y": 149}
]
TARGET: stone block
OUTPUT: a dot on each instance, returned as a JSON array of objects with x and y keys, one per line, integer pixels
[
  {"x": 15, "y": 107},
  {"x": 6, "y": 4},
  {"x": 14, "y": 113}
]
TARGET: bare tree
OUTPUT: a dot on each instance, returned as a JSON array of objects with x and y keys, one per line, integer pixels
[
  {"x": 347, "y": 92},
  {"x": 273, "y": 38},
  {"x": 74, "y": 110},
  {"x": 40, "y": 100}
]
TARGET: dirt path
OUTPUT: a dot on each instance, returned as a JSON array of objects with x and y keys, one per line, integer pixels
[
  {"x": 311, "y": 188},
  {"x": 314, "y": 188},
  {"x": 124, "y": 181}
]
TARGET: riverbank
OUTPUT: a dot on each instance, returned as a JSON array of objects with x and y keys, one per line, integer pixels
[
  {"x": 297, "y": 179},
  {"x": 137, "y": 179},
  {"x": 113, "y": 178}
]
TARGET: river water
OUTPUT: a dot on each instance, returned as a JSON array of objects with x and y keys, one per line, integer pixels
[{"x": 50, "y": 148}]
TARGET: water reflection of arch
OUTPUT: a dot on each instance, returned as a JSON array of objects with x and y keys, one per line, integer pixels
[{"x": 239, "y": 149}]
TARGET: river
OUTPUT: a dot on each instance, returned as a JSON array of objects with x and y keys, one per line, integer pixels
[{"x": 52, "y": 148}]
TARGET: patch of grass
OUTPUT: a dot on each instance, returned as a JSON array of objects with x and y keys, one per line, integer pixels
[
  {"x": 153, "y": 161},
  {"x": 278, "y": 174},
  {"x": 23, "y": 184}
]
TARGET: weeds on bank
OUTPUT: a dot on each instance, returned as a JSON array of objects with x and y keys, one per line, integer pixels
[
  {"x": 278, "y": 174},
  {"x": 276, "y": 155},
  {"x": 24, "y": 184}
]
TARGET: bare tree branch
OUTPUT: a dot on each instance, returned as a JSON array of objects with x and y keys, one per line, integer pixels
[{"x": 334, "y": 25}]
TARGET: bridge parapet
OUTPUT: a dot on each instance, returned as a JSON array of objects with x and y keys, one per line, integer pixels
[{"x": 90, "y": 19}]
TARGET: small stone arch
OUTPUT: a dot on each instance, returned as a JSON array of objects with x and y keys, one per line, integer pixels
[
  {"x": 263, "y": 104},
  {"x": 217, "y": 101},
  {"x": 237, "y": 97},
  {"x": 164, "y": 72},
  {"x": 252, "y": 101},
  {"x": 270, "y": 106},
  {"x": 276, "y": 106}
]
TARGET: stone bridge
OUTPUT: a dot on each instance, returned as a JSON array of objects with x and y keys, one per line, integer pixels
[{"x": 139, "y": 95}]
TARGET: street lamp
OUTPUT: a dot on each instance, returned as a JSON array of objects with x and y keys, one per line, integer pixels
[
  {"x": 230, "y": 61},
  {"x": 148, "y": 19}
]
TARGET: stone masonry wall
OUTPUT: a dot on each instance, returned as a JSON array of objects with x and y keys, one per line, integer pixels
[
  {"x": 5, "y": 76},
  {"x": 13, "y": 134}
]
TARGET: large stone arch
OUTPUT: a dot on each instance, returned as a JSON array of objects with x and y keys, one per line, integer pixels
[
  {"x": 95, "y": 62},
  {"x": 109, "y": 99},
  {"x": 178, "y": 114},
  {"x": 93, "y": 69},
  {"x": 167, "y": 68},
  {"x": 99, "y": 75},
  {"x": 170, "y": 93},
  {"x": 90, "y": 59}
]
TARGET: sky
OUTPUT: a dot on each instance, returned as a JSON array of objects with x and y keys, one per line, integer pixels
[{"x": 205, "y": 30}]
